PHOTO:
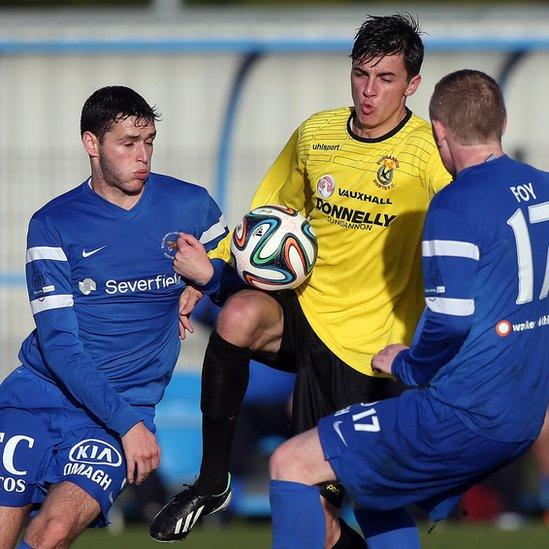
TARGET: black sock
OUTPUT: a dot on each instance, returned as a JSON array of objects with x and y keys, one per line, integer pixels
[
  {"x": 224, "y": 383},
  {"x": 349, "y": 538}
]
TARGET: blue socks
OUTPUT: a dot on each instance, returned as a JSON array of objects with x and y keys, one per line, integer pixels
[
  {"x": 23, "y": 545},
  {"x": 388, "y": 529},
  {"x": 298, "y": 521},
  {"x": 297, "y": 516}
]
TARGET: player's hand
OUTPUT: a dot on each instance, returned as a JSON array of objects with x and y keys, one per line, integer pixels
[
  {"x": 187, "y": 302},
  {"x": 191, "y": 260},
  {"x": 142, "y": 453},
  {"x": 383, "y": 361}
]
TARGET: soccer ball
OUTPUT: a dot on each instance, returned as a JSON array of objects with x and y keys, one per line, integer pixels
[{"x": 274, "y": 248}]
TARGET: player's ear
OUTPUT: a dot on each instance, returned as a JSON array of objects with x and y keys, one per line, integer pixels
[
  {"x": 439, "y": 132},
  {"x": 413, "y": 85},
  {"x": 504, "y": 126},
  {"x": 91, "y": 143}
]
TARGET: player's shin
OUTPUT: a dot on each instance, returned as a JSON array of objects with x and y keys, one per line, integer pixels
[
  {"x": 297, "y": 516},
  {"x": 224, "y": 383}
]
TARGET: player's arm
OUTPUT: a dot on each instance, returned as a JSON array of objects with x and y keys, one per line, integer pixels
[
  {"x": 49, "y": 285},
  {"x": 202, "y": 259},
  {"x": 48, "y": 275},
  {"x": 283, "y": 184},
  {"x": 450, "y": 261}
]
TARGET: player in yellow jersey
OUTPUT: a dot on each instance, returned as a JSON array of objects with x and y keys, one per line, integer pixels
[{"x": 364, "y": 175}]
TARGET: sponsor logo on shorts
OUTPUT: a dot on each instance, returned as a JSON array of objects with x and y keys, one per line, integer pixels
[
  {"x": 96, "y": 475},
  {"x": 93, "y": 451},
  {"x": 8, "y": 448},
  {"x": 8, "y": 451},
  {"x": 10, "y": 484}
]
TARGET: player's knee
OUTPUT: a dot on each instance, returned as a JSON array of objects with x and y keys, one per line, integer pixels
[
  {"x": 49, "y": 532},
  {"x": 285, "y": 464},
  {"x": 240, "y": 320}
]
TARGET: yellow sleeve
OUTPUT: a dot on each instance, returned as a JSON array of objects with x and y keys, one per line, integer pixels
[
  {"x": 285, "y": 182},
  {"x": 437, "y": 177},
  {"x": 223, "y": 249}
]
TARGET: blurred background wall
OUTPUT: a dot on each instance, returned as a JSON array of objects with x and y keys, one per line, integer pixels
[{"x": 185, "y": 60}]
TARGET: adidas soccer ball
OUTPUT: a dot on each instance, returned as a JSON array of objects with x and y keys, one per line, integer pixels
[{"x": 274, "y": 248}]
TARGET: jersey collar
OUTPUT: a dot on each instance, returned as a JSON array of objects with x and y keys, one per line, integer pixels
[
  {"x": 115, "y": 210},
  {"x": 394, "y": 131}
]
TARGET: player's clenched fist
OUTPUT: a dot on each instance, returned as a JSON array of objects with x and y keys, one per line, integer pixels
[
  {"x": 191, "y": 261},
  {"x": 383, "y": 361},
  {"x": 142, "y": 453}
]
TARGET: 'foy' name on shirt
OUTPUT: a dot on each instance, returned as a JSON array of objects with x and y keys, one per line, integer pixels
[{"x": 523, "y": 193}]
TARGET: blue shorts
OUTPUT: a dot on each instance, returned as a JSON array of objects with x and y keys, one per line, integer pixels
[
  {"x": 410, "y": 449},
  {"x": 46, "y": 439}
]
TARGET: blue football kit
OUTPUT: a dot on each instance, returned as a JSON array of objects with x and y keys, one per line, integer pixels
[
  {"x": 104, "y": 297},
  {"x": 479, "y": 362}
]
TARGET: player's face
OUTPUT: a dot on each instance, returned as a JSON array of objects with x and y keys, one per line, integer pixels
[
  {"x": 380, "y": 87},
  {"x": 125, "y": 156}
]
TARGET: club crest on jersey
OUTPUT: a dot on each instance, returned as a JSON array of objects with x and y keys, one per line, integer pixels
[
  {"x": 168, "y": 245},
  {"x": 385, "y": 172},
  {"x": 325, "y": 186}
]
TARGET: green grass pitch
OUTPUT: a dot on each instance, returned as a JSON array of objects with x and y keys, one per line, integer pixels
[{"x": 243, "y": 535}]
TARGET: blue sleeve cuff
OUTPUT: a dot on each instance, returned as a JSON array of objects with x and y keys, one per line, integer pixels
[
  {"x": 124, "y": 420},
  {"x": 214, "y": 284},
  {"x": 223, "y": 283},
  {"x": 402, "y": 370}
]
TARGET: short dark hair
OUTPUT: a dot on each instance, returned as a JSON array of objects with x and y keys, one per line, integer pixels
[
  {"x": 470, "y": 105},
  {"x": 111, "y": 104},
  {"x": 382, "y": 35}
]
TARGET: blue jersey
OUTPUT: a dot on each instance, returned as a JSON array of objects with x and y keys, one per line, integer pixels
[
  {"x": 483, "y": 348},
  {"x": 104, "y": 294}
]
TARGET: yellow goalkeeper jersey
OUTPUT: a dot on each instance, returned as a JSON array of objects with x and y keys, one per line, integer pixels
[{"x": 366, "y": 200}]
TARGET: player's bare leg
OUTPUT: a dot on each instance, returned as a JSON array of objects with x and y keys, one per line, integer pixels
[
  {"x": 11, "y": 522},
  {"x": 64, "y": 515},
  {"x": 253, "y": 320}
]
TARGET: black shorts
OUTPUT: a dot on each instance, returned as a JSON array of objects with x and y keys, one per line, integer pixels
[{"x": 324, "y": 383}]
